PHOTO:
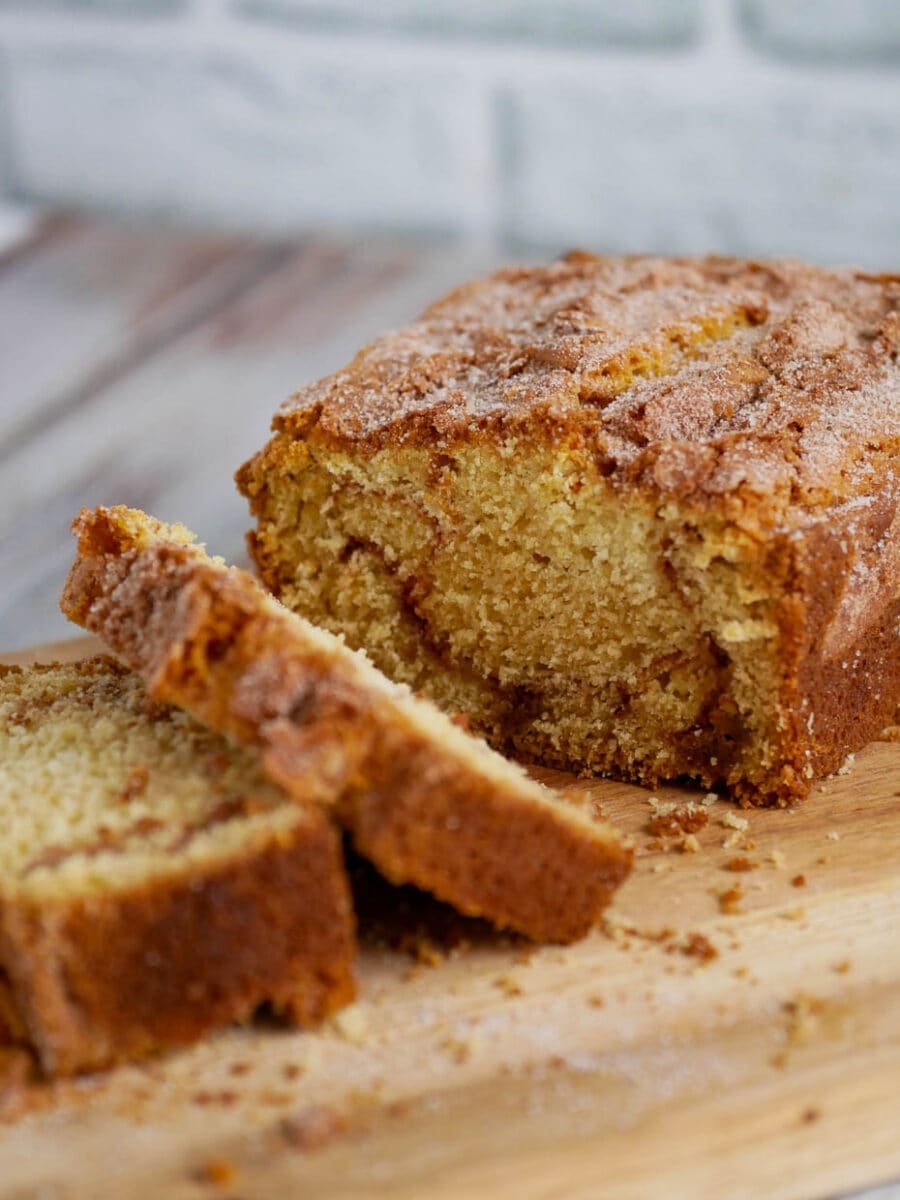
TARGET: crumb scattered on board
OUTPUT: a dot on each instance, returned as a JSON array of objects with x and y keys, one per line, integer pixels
[
  {"x": 508, "y": 985},
  {"x": 351, "y": 1024},
  {"x": 698, "y": 945},
  {"x": 740, "y": 862},
  {"x": 847, "y": 765},
  {"x": 217, "y": 1173},
  {"x": 730, "y": 900},
  {"x": 312, "y": 1128},
  {"x": 672, "y": 820}
]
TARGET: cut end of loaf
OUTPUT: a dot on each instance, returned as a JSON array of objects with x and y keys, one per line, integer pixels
[{"x": 574, "y": 625}]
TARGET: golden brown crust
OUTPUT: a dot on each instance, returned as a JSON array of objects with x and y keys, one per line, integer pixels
[
  {"x": 480, "y": 848},
  {"x": 428, "y": 804},
  {"x": 840, "y": 630},
  {"x": 105, "y": 979},
  {"x": 838, "y": 582},
  {"x": 776, "y": 383},
  {"x": 90, "y": 977}
]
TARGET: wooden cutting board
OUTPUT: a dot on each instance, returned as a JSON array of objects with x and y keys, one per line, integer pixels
[{"x": 685, "y": 1051}]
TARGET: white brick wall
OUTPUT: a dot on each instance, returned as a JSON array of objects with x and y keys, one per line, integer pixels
[
  {"x": 258, "y": 139},
  {"x": 766, "y": 126},
  {"x": 824, "y": 30},
  {"x": 6, "y": 176},
  {"x": 567, "y": 22},
  {"x": 685, "y": 158}
]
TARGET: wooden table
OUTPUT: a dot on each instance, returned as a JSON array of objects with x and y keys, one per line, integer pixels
[{"x": 143, "y": 367}]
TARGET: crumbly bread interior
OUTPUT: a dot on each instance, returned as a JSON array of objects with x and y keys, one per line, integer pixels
[
  {"x": 483, "y": 597},
  {"x": 103, "y": 787}
]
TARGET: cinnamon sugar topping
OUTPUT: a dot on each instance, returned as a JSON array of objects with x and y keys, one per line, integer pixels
[{"x": 708, "y": 376}]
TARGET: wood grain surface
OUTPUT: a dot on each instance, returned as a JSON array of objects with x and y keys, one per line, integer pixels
[{"x": 682, "y": 1051}]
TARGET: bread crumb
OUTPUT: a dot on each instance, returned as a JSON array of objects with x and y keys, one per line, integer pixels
[
  {"x": 833, "y": 835},
  {"x": 740, "y": 862},
  {"x": 793, "y": 914},
  {"x": 661, "y": 808},
  {"x": 842, "y": 967},
  {"x": 508, "y": 985},
  {"x": 810, "y": 1114},
  {"x": 733, "y": 821},
  {"x": 427, "y": 953},
  {"x": 596, "y": 1000},
  {"x": 698, "y": 945},
  {"x": 596, "y": 807},
  {"x": 351, "y": 1024},
  {"x": 778, "y": 860},
  {"x": 799, "y": 881},
  {"x": 615, "y": 927},
  {"x": 670, "y": 820},
  {"x": 218, "y": 1172},
  {"x": 312, "y": 1128},
  {"x": 847, "y": 765},
  {"x": 709, "y": 799},
  {"x": 460, "y": 1049},
  {"x": 690, "y": 845},
  {"x": 803, "y": 1013},
  {"x": 730, "y": 899}
]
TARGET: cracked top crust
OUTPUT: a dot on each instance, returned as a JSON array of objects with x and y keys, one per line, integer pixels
[{"x": 704, "y": 378}]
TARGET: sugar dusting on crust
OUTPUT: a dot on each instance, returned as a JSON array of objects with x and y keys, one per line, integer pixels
[{"x": 713, "y": 376}]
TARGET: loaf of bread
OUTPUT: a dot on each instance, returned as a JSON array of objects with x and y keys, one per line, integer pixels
[
  {"x": 425, "y": 802},
  {"x": 154, "y": 884},
  {"x": 631, "y": 515}
]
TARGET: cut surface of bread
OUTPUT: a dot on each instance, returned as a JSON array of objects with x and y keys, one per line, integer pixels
[
  {"x": 630, "y": 515},
  {"x": 424, "y": 801},
  {"x": 153, "y": 882}
]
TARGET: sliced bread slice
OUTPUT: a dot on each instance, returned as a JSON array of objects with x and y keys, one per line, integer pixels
[
  {"x": 153, "y": 882},
  {"x": 424, "y": 801}
]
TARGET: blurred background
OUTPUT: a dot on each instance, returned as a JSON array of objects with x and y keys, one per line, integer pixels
[
  {"x": 207, "y": 203},
  {"x": 755, "y": 126}
]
